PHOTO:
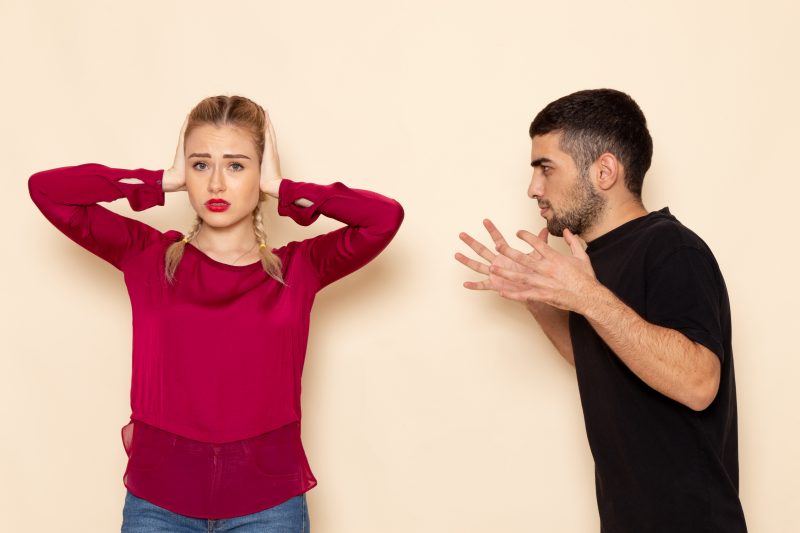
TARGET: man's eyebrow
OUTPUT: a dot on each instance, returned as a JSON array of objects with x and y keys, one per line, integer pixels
[
  {"x": 538, "y": 162},
  {"x": 224, "y": 156}
]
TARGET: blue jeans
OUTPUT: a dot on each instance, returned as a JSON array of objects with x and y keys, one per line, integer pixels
[{"x": 141, "y": 516}]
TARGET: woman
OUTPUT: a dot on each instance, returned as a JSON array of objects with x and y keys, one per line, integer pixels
[{"x": 220, "y": 319}]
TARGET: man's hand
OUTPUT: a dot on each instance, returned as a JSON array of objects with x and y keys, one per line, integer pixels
[
  {"x": 546, "y": 276},
  {"x": 554, "y": 322},
  {"x": 492, "y": 282}
]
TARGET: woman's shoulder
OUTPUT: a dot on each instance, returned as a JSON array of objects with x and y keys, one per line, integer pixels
[
  {"x": 172, "y": 235},
  {"x": 294, "y": 255},
  {"x": 289, "y": 249}
]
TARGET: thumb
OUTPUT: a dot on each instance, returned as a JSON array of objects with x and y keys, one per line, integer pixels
[
  {"x": 544, "y": 234},
  {"x": 574, "y": 244}
]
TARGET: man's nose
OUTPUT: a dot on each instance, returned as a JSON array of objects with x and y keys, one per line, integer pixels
[{"x": 536, "y": 186}]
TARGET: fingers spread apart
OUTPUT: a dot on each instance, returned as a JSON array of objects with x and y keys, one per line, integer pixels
[
  {"x": 538, "y": 244},
  {"x": 484, "y": 285},
  {"x": 494, "y": 233},
  {"x": 477, "y": 266},
  {"x": 518, "y": 257},
  {"x": 477, "y": 247}
]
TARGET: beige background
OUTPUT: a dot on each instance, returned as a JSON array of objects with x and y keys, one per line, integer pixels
[{"x": 427, "y": 408}]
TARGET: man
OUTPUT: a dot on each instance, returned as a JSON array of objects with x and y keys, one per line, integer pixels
[{"x": 642, "y": 314}]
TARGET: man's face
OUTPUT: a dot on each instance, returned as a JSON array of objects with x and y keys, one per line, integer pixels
[{"x": 567, "y": 198}]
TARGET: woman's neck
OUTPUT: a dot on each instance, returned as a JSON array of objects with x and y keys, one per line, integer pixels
[{"x": 230, "y": 244}]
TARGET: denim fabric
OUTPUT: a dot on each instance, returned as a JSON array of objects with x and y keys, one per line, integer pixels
[{"x": 141, "y": 516}]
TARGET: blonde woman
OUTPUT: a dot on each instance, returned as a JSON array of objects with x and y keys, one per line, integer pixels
[{"x": 220, "y": 319}]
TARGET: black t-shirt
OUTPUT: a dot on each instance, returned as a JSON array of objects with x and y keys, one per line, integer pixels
[{"x": 659, "y": 465}]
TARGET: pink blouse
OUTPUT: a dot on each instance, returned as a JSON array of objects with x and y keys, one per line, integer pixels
[{"x": 218, "y": 356}]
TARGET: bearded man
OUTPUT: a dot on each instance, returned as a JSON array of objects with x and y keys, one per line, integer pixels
[{"x": 642, "y": 313}]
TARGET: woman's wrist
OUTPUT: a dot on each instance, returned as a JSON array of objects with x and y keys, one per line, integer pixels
[
  {"x": 170, "y": 182},
  {"x": 273, "y": 187}
]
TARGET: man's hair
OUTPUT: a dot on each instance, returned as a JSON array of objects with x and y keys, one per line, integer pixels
[{"x": 596, "y": 121}]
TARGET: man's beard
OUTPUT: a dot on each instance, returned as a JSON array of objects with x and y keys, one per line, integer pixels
[{"x": 584, "y": 207}]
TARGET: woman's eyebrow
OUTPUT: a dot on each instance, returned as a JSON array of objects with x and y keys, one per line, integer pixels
[{"x": 224, "y": 156}]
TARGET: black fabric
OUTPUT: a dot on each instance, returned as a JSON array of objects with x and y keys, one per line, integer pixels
[{"x": 659, "y": 465}]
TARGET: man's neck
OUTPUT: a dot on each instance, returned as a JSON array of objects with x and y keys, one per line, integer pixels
[{"x": 614, "y": 216}]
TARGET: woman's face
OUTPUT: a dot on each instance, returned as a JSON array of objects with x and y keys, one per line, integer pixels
[{"x": 222, "y": 174}]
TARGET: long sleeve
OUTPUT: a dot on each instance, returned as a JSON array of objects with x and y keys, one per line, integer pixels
[
  {"x": 68, "y": 197},
  {"x": 372, "y": 221}
]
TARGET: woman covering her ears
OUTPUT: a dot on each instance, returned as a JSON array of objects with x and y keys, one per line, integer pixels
[{"x": 220, "y": 319}]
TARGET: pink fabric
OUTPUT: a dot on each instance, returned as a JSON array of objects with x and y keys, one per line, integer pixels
[
  {"x": 209, "y": 480},
  {"x": 218, "y": 356}
]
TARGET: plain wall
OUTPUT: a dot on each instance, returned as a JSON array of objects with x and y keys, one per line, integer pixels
[{"x": 427, "y": 408}]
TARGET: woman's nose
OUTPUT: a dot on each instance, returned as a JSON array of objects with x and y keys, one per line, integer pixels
[{"x": 217, "y": 181}]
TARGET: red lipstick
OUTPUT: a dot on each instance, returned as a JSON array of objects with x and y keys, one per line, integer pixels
[{"x": 217, "y": 205}]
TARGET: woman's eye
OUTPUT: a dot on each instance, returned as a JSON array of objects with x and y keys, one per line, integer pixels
[
  {"x": 237, "y": 166},
  {"x": 199, "y": 166}
]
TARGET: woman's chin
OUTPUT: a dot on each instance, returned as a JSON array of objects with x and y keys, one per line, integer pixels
[{"x": 220, "y": 220}]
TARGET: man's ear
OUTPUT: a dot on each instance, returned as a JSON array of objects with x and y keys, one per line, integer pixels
[{"x": 609, "y": 171}]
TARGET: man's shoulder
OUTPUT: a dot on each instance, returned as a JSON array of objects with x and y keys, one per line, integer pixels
[
  {"x": 665, "y": 235},
  {"x": 666, "y": 230}
]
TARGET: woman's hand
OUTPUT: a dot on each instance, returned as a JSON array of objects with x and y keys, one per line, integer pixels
[
  {"x": 174, "y": 178},
  {"x": 270, "y": 161},
  {"x": 271, "y": 165}
]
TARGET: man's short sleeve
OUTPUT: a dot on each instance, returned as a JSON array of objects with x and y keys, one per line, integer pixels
[{"x": 684, "y": 292}]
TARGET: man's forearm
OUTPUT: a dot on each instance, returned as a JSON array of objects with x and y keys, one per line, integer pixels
[
  {"x": 555, "y": 324},
  {"x": 663, "y": 358}
]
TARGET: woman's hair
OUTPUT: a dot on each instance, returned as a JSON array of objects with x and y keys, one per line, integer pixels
[{"x": 248, "y": 115}]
